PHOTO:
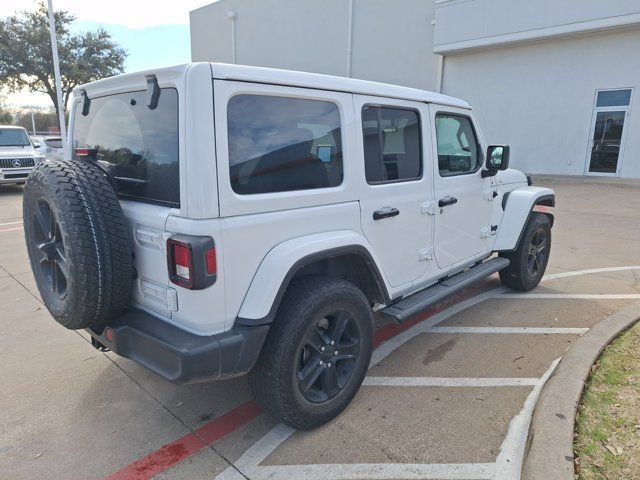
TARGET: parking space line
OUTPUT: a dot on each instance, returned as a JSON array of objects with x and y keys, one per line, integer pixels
[
  {"x": 11, "y": 229},
  {"x": 396, "y": 341},
  {"x": 579, "y": 296},
  {"x": 574, "y": 273},
  {"x": 535, "y": 330},
  {"x": 509, "y": 461},
  {"x": 448, "y": 382},
  {"x": 11, "y": 223}
]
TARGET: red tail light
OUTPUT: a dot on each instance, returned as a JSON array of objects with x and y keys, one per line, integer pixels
[
  {"x": 85, "y": 152},
  {"x": 212, "y": 266},
  {"x": 180, "y": 263},
  {"x": 192, "y": 261}
]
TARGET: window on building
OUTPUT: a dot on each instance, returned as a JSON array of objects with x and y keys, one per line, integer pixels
[
  {"x": 458, "y": 151},
  {"x": 613, "y": 98},
  {"x": 279, "y": 144},
  {"x": 392, "y": 147}
]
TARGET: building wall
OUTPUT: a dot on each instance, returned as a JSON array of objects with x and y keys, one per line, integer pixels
[
  {"x": 539, "y": 97},
  {"x": 464, "y": 24},
  {"x": 391, "y": 40}
]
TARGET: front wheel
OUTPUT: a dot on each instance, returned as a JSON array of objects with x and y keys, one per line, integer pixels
[
  {"x": 529, "y": 260},
  {"x": 316, "y": 354}
]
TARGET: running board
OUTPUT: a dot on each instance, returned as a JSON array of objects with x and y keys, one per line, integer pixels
[{"x": 423, "y": 299}]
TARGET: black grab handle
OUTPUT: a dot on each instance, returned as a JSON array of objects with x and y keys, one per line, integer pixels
[
  {"x": 448, "y": 200},
  {"x": 385, "y": 212}
]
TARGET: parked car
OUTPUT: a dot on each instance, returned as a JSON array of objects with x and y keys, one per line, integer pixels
[
  {"x": 17, "y": 155},
  {"x": 50, "y": 147},
  {"x": 220, "y": 219}
]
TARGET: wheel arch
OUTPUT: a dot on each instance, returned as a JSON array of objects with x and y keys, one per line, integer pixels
[
  {"x": 518, "y": 206},
  {"x": 341, "y": 254}
]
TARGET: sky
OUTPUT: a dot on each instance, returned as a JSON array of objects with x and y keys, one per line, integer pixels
[{"x": 153, "y": 36}]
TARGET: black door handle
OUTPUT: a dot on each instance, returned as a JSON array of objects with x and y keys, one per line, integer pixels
[
  {"x": 448, "y": 200},
  {"x": 385, "y": 212}
]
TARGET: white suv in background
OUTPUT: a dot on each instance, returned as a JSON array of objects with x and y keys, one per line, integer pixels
[
  {"x": 48, "y": 146},
  {"x": 220, "y": 219},
  {"x": 17, "y": 155}
]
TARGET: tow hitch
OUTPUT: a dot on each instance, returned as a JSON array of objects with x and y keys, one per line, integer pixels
[{"x": 98, "y": 345}]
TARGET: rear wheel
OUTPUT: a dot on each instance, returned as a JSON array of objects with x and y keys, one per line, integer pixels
[
  {"x": 316, "y": 354},
  {"x": 529, "y": 260}
]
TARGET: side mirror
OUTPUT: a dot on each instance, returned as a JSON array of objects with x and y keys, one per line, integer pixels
[
  {"x": 497, "y": 157},
  {"x": 36, "y": 145}
]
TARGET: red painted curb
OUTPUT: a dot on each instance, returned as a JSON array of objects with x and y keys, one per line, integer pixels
[{"x": 178, "y": 450}]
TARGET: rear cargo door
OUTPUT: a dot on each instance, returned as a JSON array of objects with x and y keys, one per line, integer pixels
[{"x": 138, "y": 147}]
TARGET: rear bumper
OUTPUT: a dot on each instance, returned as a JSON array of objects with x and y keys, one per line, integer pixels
[{"x": 180, "y": 356}]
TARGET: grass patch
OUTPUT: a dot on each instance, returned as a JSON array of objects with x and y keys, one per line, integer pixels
[{"x": 607, "y": 439}]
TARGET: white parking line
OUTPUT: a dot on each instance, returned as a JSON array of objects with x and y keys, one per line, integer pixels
[
  {"x": 448, "y": 382},
  {"x": 509, "y": 461},
  {"x": 536, "y": 330},
  {"x": 10, "y": 223},
  {"x": 575, "y": 273},
  {"x": 581, "y": 296}
]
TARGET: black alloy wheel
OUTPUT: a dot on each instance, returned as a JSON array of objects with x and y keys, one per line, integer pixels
[
  {"x": 328, "y": 356},
  {"x": 51, "y": 257},
  {"x": 536, "y": 258}
]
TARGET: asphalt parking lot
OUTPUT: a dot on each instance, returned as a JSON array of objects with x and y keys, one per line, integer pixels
[{"x": 449, "y": 393}]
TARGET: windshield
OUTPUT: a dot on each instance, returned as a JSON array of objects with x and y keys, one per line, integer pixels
[{"x": 13, "y": 138}]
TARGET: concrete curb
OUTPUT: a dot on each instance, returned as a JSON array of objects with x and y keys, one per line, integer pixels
[{"x": 550, "y": 444}]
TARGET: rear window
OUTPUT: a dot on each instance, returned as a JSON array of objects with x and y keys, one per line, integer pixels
[
  {"x": 279, "y": 144},
  {"x": 136, "y": 145}
]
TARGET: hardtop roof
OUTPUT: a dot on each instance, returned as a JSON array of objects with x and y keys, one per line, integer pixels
[
  {"x": 329, "y": 82},
  {"x": 277, "y": 76}
]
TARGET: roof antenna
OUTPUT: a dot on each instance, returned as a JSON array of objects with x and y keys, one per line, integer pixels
[
  {"x": 86, "y": 103},
  {"x": 153, "y": 91}
]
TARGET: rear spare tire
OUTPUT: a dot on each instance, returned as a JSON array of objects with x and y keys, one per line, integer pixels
[{"x": 77, "y": 242}]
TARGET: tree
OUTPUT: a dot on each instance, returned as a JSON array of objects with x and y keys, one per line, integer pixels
[{"x": 26, "y": 59}]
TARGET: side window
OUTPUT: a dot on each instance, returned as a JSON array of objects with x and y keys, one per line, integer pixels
[
  {"x": 392, "y": 149},
  {"x": 279, "y": 144},
  {"x": 458, "y": 151}
]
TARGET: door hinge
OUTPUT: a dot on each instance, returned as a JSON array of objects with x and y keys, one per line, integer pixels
[
  {"x": 489, "y": 195},
  {"x": 428, "y": 208},
  {"x": 487, "y": 232},
  {"x": 426, "y": 254}
]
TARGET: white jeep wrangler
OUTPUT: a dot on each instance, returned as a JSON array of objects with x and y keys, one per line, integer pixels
[{"x": 219, "y": 219}]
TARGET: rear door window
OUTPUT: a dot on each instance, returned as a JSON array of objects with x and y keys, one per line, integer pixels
[
  {"x": 136, "y": 145},
  {"x": 279, "y": 144},
  {"x": 392, "y": 146}
]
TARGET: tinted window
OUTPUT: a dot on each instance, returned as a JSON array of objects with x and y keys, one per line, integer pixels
[
  {"x": 136, "y": 145},
  {"x": 458, "y": 151},
  {"x": 613, "y": 98},
  {"x": 278, "y": 144},
  {"x": 11, "y": 137},
  {"x": 391, "y": 139}
]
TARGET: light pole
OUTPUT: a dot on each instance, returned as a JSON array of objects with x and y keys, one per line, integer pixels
[{"x": 56, "y": 73}]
